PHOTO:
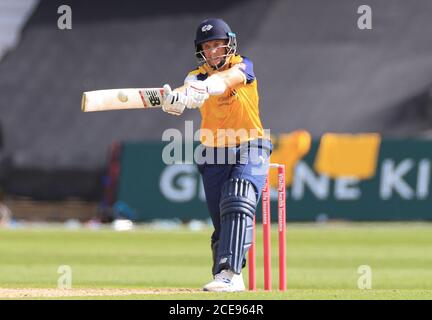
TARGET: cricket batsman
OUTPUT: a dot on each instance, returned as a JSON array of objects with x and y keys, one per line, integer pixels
[{"x": 224, "y": 88}]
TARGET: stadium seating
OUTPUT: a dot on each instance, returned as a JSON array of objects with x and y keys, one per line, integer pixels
[{"x": 311, "y": 61}]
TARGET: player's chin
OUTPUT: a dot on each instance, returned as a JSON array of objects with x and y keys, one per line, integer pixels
[{"x": 215, "y": 63}]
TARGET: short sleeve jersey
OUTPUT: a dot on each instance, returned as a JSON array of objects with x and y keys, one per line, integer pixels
[{"x": 232, "y": 117}]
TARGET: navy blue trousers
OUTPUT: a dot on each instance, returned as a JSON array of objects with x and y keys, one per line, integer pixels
[{"x": 248, "y": 161}]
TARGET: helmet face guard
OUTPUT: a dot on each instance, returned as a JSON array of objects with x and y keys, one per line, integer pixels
[
  {"x": 215, "y": 29},
  {"x": 230, "y": 50}
]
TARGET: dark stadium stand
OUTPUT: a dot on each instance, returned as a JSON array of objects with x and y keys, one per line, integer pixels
[{"x": 316, "y": 70}]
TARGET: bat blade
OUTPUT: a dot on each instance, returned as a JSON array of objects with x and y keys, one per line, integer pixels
[{"x": 122, "y": 99}]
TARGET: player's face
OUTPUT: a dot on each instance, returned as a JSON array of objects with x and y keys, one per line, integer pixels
[{"x": 214, "y": 51}]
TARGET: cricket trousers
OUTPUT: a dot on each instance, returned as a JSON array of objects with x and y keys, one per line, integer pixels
[{"x": 249, "y": 161}]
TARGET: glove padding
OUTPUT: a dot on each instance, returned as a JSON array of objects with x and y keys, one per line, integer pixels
[
  {"x": 196, "y": 94},
  {"x": 174, "y": 102}
]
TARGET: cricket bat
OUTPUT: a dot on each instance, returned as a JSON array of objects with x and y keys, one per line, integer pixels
[{"x": 121, "y": 99}]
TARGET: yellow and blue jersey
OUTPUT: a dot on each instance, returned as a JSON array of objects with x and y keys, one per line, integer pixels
[{"x": 236, "y": 110}]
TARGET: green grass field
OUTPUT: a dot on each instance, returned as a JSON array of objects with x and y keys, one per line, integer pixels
[{"x": 322, "y": 262}]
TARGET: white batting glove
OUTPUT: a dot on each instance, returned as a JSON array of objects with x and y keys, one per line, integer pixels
[
  {"x": 174, "y": 102},
  {"x": 196, "y": 94}
]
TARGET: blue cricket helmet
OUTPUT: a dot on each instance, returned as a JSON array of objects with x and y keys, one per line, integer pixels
[{"x": 214, "y": 29}]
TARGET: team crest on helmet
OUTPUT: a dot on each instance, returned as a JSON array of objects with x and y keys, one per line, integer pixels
[{"x": 207, "y": 27}]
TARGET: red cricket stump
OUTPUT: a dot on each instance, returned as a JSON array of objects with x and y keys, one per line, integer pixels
[
  {"x": 282, "y": 227},
  {"x": 252, "y": 261},
  {"x": 266, "y": 225},
  {"x": 266, "y": 222}
]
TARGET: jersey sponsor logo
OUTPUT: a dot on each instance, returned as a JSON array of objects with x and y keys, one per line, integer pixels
[
  {"x": 227, "y": 99},
  {"x": 206, "y": 28}
]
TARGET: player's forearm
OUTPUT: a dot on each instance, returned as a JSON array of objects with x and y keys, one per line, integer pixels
[
  {"x": 181, "y": 89},
  {"x": 218, "y": 83},
  {"x": 213, "y": 85},
  {"x": 232, "y": 77}
]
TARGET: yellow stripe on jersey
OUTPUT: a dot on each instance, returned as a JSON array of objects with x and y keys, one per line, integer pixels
[{"x": 233, "y": 117}]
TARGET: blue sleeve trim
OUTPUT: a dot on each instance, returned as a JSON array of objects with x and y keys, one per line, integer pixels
[
  {"x": 248, "y": 70},
  {"x": 202, "y": 76}
]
